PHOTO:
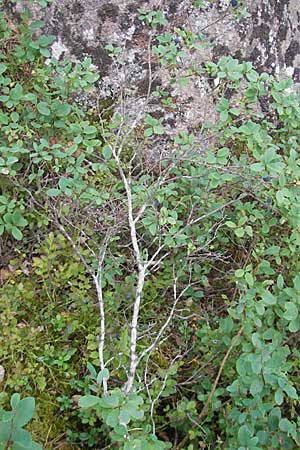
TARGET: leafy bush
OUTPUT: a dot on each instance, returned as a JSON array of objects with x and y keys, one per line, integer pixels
[{"x": 178, "y": 279}]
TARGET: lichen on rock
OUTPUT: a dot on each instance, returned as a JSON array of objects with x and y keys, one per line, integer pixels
[{"x": 268, "y": 35}]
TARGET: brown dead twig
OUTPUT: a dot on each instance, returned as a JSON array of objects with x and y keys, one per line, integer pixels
[{"x": 214, "y": 387}]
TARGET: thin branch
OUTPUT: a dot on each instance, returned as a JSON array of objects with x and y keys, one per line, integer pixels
[
  {"x": 219, "y": 208},
  {"x": 214, "y": 387},
  {"x": 209, "y": 398},
  {"x": 133, "y": 335},
  {"x": 98, "y": 283},
  {"x": 75, "y": 247},
  {"x": 167, "y": 322},
  {"x": 141, "y": 276}
]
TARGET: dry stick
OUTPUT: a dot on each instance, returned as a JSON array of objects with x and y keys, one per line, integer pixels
[
  {"x": 204, "y": 409},
  {"x": 225, "y": 14},
  {"x": 209, "y": 398}
]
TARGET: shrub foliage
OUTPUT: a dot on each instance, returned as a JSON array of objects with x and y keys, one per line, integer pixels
[{"x": 147, "y": 305}]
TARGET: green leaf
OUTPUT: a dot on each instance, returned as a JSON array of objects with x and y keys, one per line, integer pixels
[
  {"x": 11, "y": 160},
  {"x": 257, "y": 167},
  {"x": 15, "y": 399},
  {"x": 32, "y": 98},
  {"x": 291, "y": 392},
  {"x": 256, "y": 340},
  {"x": 274, "y": 418},
  {"x": 132, "y": 409},
  {"x": 120, "y": 430},
  {"x": 64, "y": 183},
  {"x": 5, "y": 430},
  {"x": 169, "y": 240},
  {"x": 18, "y": 219},
  {"x": 268, "y": 298},
  {"x": 102, "y": 374},
  {"x": 43, "y": 108},
  {"x": 124, "y": 416},
  {"x": 296, "y": 282},
  {"x": 24, "y": 411},
  {"x": 90, "y": 129},
  {"x": 107, "y": 152},
  {"x": 45, "y": 52},
  {"x": 92, "y": 370},
  {"x": 280, "y": 281},
  {"x": 112, "y": 418},
  {"x": 36, "y": 24},
  {"x": 183, "y": 81},
  {"x": 6, "y": 416},
  {"x": 249, "y": 279},
  {"x": 158, "y": 129},
  {"x": 263, "y": 437},
  {"x": 223, "y": 152},
  {"x": 235, "y": 111},
  {"x": 252, "y": 76},
  {"x": 53, "y": 192},
  {"x": 256, "y": 364},
  {"x": 239, "y": 232},
  {"x": 224, "y": 116},
  {"x": 150, "y": 120},
  {"x": 148, "y": 132},
  {"x": 230, "y": 224},
  {"x": 239, "y": 273},
  {"x": 63, "y": 109},
  {"x": 152, "y": 229},
  {"x": 240, "y": 366},
  {"x": 17, "y": 234},
  {"x": 256, "y": 386},
  {"x": 3, "y": 68},
  {"x": 291, "y": 311},
  {"x": 36, "y": 446},
  {"x": 88, "y": 401},
  {"x": 279, "y": 397},
  {"x": 294, "y": 325},
  {"x": 244, "y": 435},
  {"x": 45, "y": 41},
  {"x": 226, "y": 325},
  {"x": 21, "y": 437},
  {"x": 3, "y": 118},
  {"x": 17, "y": 92},
  {"x": 110, "y": 401},
  {"x": 14, "y": 116},
  {"x": 285, "y": 425}
]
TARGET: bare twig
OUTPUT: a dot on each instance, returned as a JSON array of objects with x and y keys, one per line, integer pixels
[
  {"x": 98, "y": 283},
  {"x": 167, "y": 322},
  {"x": 214, "y": 387}
]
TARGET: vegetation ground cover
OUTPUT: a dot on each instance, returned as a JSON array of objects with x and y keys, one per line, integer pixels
[{"x": 146, "y": 305}]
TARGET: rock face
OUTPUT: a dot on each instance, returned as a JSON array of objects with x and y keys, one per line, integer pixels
[{"x": 268, "y": 35}]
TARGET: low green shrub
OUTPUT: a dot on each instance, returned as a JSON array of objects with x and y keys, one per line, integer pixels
[{"x": 178, "y": 280}]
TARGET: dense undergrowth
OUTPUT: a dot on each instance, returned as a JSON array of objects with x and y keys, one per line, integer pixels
[{"x": 201, "y": 247}]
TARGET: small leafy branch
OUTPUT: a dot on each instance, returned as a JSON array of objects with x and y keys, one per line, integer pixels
[
  {"x": 12, "y": 434},
  {"x": 192, "y": 257},
  {"x": 153, "y": 18}
]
